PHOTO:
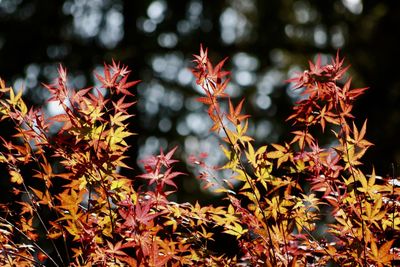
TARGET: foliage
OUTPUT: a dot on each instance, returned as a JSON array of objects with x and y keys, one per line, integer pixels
[{"x": 279, "y": 196}]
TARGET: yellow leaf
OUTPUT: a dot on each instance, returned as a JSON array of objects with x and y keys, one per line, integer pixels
[
  {"x": 16, "y": 177},
  {"x": 22, "y": 107},
  {"x": 236, "y": 230},
  {"x": 233, "y": 159},
  {"x": 54, "y": 235},
  {"x": 223, "y": 190},
  {"x": 250, "y": 155},
  {"x": 118, "y": 118},
  {"x": 14, "y": 98},
  {"x": 43, "y": 197},
  {"x": 275, "y": 154},
  {"x": 117, "y": 137},
  {"x": 115, "y": 184}
]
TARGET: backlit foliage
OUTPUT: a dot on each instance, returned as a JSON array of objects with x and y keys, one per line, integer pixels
[{"x": 300, "y": 203}]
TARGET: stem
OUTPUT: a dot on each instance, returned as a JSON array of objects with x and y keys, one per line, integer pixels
[
  {"x": 249, "y": 181},
  {"x": 30, "y": 197},
  {"x": 393, "y": 200},
  {"x": 33, "y": 242},
  {"x": 315, "y": 240},
  {"x": 302, "y": 147},
  {"x": 6, "y": 254},
  {"x": 89, "y": 199},
  {"x": 25, "y": 258},
  {"x": 358, "y": 197},
  {"x": 284, "y": 236},
  {"x": 103, "y": 186},
  {"x": 36, "y": 159}
]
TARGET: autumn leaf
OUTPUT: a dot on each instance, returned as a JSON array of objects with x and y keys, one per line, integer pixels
[
  {"x": 382, "y": 256},
  {"x": 115, "y": 250},
  {"x": 368, "y": 186},
  {"x": 119, "y": 118},
  {"x": 235, "y": 230},
  {"x": 359, "y": 136},
  {"x": 143, "y": 214},
  {"x": 108, "y": 80},
  {"x": 122, "y": 106},
  {"x": 282, "y": 153},
  {"x": 123, "y": 86},
  {"x": 16, "y": 177},
  {"x": 43, "y": 197},
  {"x": 235, "y": 115}
]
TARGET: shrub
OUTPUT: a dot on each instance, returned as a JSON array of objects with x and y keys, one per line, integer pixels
[{"x": 294, "y": 204}]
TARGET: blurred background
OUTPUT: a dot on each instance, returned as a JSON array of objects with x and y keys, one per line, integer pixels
[{"x": 266, "y": 42}]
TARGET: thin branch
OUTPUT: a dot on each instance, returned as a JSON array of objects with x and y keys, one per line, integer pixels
[{"x": 249, "y": 181}]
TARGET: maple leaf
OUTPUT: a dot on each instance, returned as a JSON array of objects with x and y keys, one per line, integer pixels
[
  {"x": 219, "y": 87},
  {"x": 355, "y": 93},
  {"x": 201, "y": 59},
  {"x": 60, "y": 118},
  {"x": 209, "y": 77},
  {"x": 108, "y": 81},
  {"x": 115, "y": 250},
  {"x": 122, "y": 106},
  {"x": 142, "y": 213},
  {"x": 381, "y": 256},
  {"x": 276, "y": 206},
  {"x": 127, "y": 212},
  {"x": 238, "y": 137},
  {"x": 26, "y": 208},
  {"x": 206, "y": 100},
  {"x": 117, "y": 137},
  {"x": 338, "y": 68},
  {"x": 14, "y": 98},
  {"x": 157, "y": 258},
  {"x": 122, "y": 86},
  {"x": 118, "y": 118},
  {"x": 331, "y": 164},
  {"x": 168, "y": 176},
  {"x": 234, "y": 113},
  {"x": 307, "y": 77},
  {"x": 152, "y": 162},
  {"x": 46, "y": 173},
  {"x": 16, "y": 177},
  {"x": 153, "y": 176},
  {"x": 43, "y": 197},
  {"x": 359, "y": 136},
  {"x": 302, "y": 138},
  {"x": 161, "y": 178},
  {"x": 231, "y": 216},
  {"x": 205, "y": 234},
  {"x": 327, "y": 116},
  {"x": 80, "y": 96},
  {"x": 69, "y": 199},
  {"x": 282, "y": 153},
  {"x": 232, "y": 157},
  {"x": 117, "y": 67},
  {"x": 368, "y": 186},
  {"x": 311, "y": 201},
  {"x": 216, "y": 119},
  {"x": 236, "y": 230},
  {"x": 59, "y": 90},
  {"x": 374, "y": 214},
  {"x": 166, "y": 160},
  {"x": 62, "y": 75}
]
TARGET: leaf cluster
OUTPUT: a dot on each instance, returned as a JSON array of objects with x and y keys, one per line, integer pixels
[{"x": 280, "y": 197}]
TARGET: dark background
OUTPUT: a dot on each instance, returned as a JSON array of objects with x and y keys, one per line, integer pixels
[{"x": 266, "y": 41}]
